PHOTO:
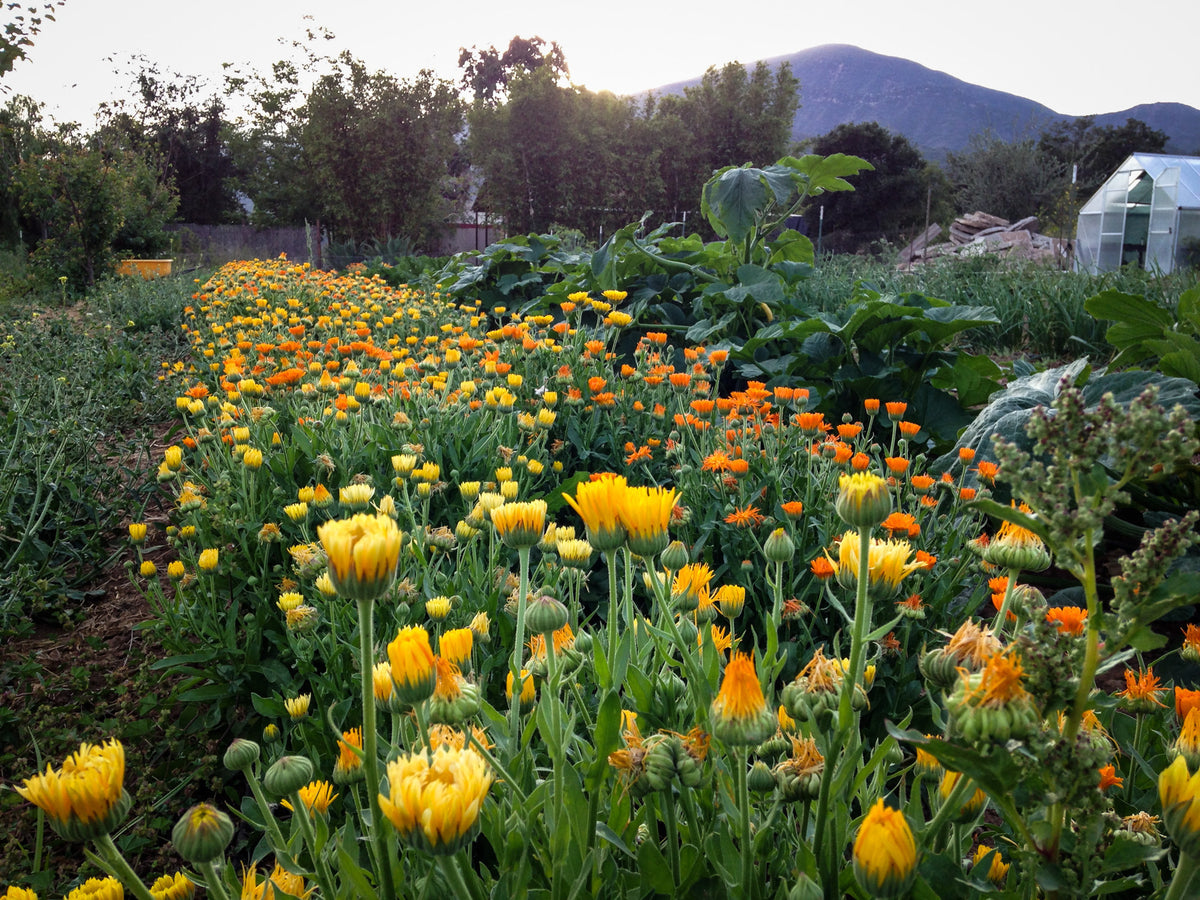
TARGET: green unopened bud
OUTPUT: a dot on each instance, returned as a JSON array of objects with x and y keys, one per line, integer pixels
[
  {"x": 779, "y": 546},
  {"x": 675, "y": 557},
  {"x": 545, "y": 614},
  {"x": 202, "y": 834},
  {"x": 287, "y": 775},
  {"x": 760, "y": 779},
  {"x": 241, "y": 755}
]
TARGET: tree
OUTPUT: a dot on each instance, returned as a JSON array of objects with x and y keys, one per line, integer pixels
[
  {"x": 90, "y": 202},
  {"x": 24, "y": 24},
  {"x": 1096, "y": 151},
  {"x": 887, "y": 201},
  {"x": 381, "y": 151},
  {"x": 732, "y": 117},
  {"x": 1011, "y": 179},
  {"x": 487, "y": 73},
  {"x": 185, "y": 135}
]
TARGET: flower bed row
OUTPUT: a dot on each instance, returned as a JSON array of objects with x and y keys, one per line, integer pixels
[{"x": 742, "y": 640}]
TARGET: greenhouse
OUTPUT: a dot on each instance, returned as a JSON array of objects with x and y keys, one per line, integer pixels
[{"x": 1146, "y": 214}]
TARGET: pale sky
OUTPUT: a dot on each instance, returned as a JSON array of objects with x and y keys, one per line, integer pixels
[{"x": 1075, "y": 57}]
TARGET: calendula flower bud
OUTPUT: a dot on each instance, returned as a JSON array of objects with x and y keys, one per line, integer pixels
[
  {"x": 740, "y": 714},
  {"x": 885, "y": 853},
  {"x": 363, "y": 553},
  {"x": 412, "y": 663},
  {"x": 241, "y": 755},
  {"x": 137, "y": 533},
  {"x": 287, "y": 775},
  {"x": 1179, "y": 792},
  {"x": 545, "y": 614},
  {"x": 202, "y": 834},
  {"x": 760, "y": 779},
  {"x": 675, "y": 557},
  {"x": 779, "y": 546},
  {"x": 863, "y": 500}
]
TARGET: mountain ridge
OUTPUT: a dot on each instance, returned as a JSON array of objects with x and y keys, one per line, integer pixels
[{"x": 937, "y": 112}]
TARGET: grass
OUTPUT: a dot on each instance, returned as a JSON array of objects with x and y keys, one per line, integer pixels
[{"x": 1040, "y": 308}]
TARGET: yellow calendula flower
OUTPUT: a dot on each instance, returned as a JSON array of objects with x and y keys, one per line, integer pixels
[
  {"x": 363, "y": 553},
  {"x": 1179, "y": 792},
  {"x": 349, "y": 766},
  {"x": 18, "y": 893},
  {"x": 289, "y": 600},
  {"x": 175, "y": 570},
  {"x": 356, "y": 496},
  {"x": 455, "y": 646},
  {"x": 252, "y": 458},
  {"x": 434, "y": 802},
  {"x": 645, "y": 513},
  {"x": 599, "y": 503},
  {"x": 148, "y": 569},
  {"x": 412, "y": 664},
  {"x": 317, "y": 797},
  {"x": 528, "y": 689},
  {"x": 885, "y": 852},
  {"x": 280, "y": 880},
  {"x": 437, "y": 608},
  {"x": 209, "y": 559},
  {"x": 98, "y": 889},
  {"x": 997, "y": 871},
  {"x": 740, "y": 714},
  {"x": 730, "y": 600},
  {"x": 86, "y": 798},
  {"x": 520, "y": 525},
  {"x": 297, "y": 707},
  {"x": 173, "y": 458},
  {"x": 1015, "y": 547},
  {"x": 574, "y": 553},
  {"x": 297, "y": 512},
  {"x": 137, "y": 532},
  {"x": 864, "y": 499},
  {"x": 970, "y": 806},
  {"x": 889, "y": 563}
]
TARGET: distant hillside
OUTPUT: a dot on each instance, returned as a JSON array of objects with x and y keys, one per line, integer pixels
[{"x": 937, "y": 112}]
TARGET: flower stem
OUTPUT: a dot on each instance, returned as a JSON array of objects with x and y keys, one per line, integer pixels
[
  {"x": 514, "y": 711},
  {"x": 121, "y": 869},
  {"x": 1180, "y": 881},
  {"x": 213, "y": 885},
  {"x": 862, "y": 623},
  {"x": 366, "y": 659},
  {"x": 304, "y": 814},
  {"x": 743, "y": 801},
  {"x": 610, "y": 558},
  {"x": 667, "y": 801}
]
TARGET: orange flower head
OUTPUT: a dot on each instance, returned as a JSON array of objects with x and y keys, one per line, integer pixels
[
  {"x": 1070, "y": 619},
  {"x": 740, "y": 714}
]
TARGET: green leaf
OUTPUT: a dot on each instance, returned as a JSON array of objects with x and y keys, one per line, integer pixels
[
  {"x": 268, "y": 706},
  {"x": 656, "y": 873},
  {"x": 731, "y": 201}
]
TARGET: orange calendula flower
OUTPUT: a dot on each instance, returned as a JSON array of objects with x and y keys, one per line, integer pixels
[
  {"x": 1185, "y": 701},
  {"x": 745, "y": 517},
  {"x": 1109, "y": 778},
  {"x": 1191, "y": 643},
  {"x": 896, "y": 410},
  {"x": 1070, "y": 619},
  {"x": 987, "y": 471},
  {"x": 1141, "y": 690},
  {"x": 909, "y": 429},
  {"x": 922, "y": 484},
  {"x": 901, "y": 522},
  {"x": 822, "y": 568},
  {"x": 793, "y": 509},
  {"x": 740, "y": 714}
]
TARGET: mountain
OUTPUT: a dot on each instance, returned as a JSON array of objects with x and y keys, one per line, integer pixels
[{"x": 935, "y": 111}]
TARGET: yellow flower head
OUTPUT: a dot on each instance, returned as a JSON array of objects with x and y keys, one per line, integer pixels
[
  {"x": 971, "y": 805},
  {"x": 137, "y": 532},
  {"x": 280, "y": 879},
  {"x": 381, "y": 682},
  {"x": 209, "y": 559},
  {"x": 297, "y": 707},
  {"x": 455, "y": 645},
  {"x": 437, "y": 608},
  {"x": 317, "y": 796},
  {"x": 691, "y": 585},
  {"x": 98, "y": 889},
  {"x": 997, "y": 869},
  {"x": 528, "y": 689},
  {"x": 363, "y": 553},
  {"x": 574, "y": 553},
  {"x": 599, "y": 503},
  {"x": 349, "y": 766},
  {"x": 86, "y": 798},
  {"x": 434, "y": 802},
  {"x": 18, "y": 893},
  {"x": 1179, "y": 792},
  {"x": 356, "y": 496},
  {"x": 520, "y": 525},
  {"x": 413, "y": 669},
  {"x": 885, "y": 853},
  {"x": 730, "y": 599},
  {"x": 173, "y": 887},
  {"x": 645, "y": 513},
  {"x": 864, "y": 499},
  {"x": 889, "y": 563},
  {"x": 740, "y": 713}
]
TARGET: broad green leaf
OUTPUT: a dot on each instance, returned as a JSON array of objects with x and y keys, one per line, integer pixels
[{"x": 732, "y": 200}]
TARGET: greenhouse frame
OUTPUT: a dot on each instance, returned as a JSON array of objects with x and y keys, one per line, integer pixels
[{"x": 1147, "y": 214}]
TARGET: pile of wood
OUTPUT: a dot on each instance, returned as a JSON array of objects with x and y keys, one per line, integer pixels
[{"x": 979, "y": 233}]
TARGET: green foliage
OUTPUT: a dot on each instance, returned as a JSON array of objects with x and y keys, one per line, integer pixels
[
  {"x": 1148, "y": 335},
  {"x": 23, "y": 25},
  {"x": 562, "y": 155},
  {"x": 889, "y": 199},
  {"x": 894, "y": 347},
  {"x": 77, "y": 391},
  {"x": 487, "y": 73},
  {"x": 90, "y": 203},
  {"x": 1097, "y": 150},
  {"x": 1007, "y": 179},
  {"x": 380, "y": 151}
]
